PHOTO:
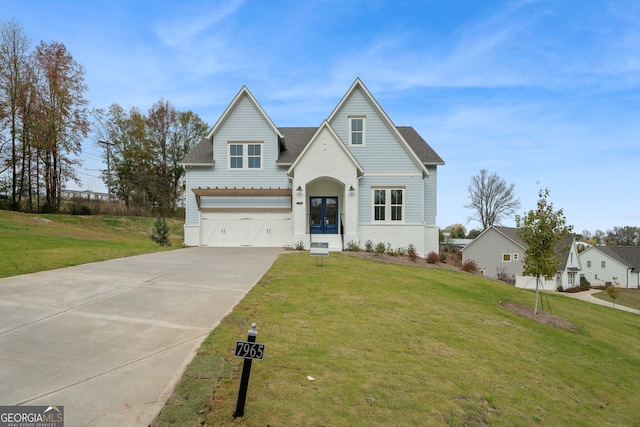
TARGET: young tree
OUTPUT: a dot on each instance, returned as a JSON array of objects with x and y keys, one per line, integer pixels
[
  {"x": 456, "y": 231},
  {"x": 542, "y": 229},
  {"x": 491, "y": 198}
]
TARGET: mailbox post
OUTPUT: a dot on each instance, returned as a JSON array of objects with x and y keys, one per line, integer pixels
[{"x": 248, "y": 350}]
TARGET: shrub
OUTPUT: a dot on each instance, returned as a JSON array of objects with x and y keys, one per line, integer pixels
[
  {"x": 380, "y": 248},
  {"x": 160, "y": 232},
  {"x": 443, "y": 258},
  {"x": 299, "y": 245},
  {"x": 503, "y": 275},
  {"x": 432, "y": 257},
  {"x": 368, "y": 246},
  {"x": 584, "y": 281},
  {"x": 560, "y": 288},
  {"x": 353, "y": 246},
  {"x": 470, "y": 266},
  {"x": 401, "y": 251},
  {"x": 411, "y": 252}
]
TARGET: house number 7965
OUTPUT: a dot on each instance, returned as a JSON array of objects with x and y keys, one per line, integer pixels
[{"x": 249, "y": 350}]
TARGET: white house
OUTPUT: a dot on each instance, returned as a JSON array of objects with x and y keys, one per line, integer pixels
[
  {"x": 354, "y": 178},
  {"x": 612, "y": 265}
]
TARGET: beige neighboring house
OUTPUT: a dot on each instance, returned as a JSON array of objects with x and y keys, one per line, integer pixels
[
  {"x": 499, "y": 249},
  {"x": 612, "y": 265}
]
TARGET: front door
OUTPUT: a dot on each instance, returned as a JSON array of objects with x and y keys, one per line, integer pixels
[{"x": 324, "y": 215}]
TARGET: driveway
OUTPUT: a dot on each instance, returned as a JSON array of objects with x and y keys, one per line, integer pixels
[{"x": 109, "y": 340}]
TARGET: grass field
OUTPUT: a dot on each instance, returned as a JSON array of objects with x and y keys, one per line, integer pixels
[
  {"x": 30, "y": 242},
  {"x": 627, "y": 297},
  {"x": 407, "y": 346},
  {"x": 385, "y": 344}
]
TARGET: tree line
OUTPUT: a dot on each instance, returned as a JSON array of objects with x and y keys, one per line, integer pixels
[{"x": 45, "y": 117}]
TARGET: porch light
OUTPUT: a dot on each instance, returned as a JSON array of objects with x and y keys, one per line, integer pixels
[
  {"x": 351, "y": 188},
  {"x": 299, "y": 189}
]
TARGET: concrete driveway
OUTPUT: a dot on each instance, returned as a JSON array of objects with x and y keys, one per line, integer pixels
[{"x": 109, "y": 340}]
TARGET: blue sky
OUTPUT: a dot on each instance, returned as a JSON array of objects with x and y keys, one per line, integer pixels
[{"x": 544, "y": 93}]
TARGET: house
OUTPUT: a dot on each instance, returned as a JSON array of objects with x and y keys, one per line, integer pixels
[
  {"x": 354, "y": 178},
  {"x": 498, "y": 251},
  {"x": 612, "y": 265}
]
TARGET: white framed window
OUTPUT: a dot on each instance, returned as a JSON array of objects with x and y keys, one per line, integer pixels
[
  {"x": 603, "y": 264},
  {"x": 516, "y": 256},
  {"x": 388, "y": 204},
  {"x": 572, "y": 278},
  {"x": 506, "y": 257},
  {"x": 244, "y": 155},
  {"x": 357, "y": 131}
]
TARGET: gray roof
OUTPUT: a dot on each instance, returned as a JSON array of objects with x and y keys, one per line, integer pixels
[
  {"x": 562, "y": 248},
  {"x": 296, "y": 138},
  {"x": 200, "y": 154},
  {"x": 626, "y": 255}
]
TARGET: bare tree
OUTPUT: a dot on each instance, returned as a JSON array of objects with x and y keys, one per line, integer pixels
[{"x": 491, "y": 198}]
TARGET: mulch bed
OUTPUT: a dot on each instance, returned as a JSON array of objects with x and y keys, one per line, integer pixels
[{"x": 542, "y": 316}]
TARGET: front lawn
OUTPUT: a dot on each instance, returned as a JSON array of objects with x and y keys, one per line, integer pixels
[{"x": 406, "y": 346}]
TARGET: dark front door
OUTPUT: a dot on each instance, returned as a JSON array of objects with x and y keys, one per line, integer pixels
[{"x": 324, "y": 215}]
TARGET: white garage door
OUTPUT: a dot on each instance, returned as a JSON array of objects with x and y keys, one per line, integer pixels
[{"x": 245, "y": 229}]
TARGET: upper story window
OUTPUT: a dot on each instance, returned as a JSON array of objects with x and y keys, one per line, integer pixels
[
  {"x": 245, "y": 155},
  {"x": 388, "y": 204},
  {"x": 506, "y": 257},
  {"x": 357, "y": 130},
  {"x": 603, "y": 264}
]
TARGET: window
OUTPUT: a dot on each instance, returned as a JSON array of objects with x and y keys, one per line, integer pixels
[
  {"x": 603, "y": 264},
  {"x": 572, "y": 278},
  {"x": 588, "y": 264},
  {"x": 245, "y": 155},
  {"x": 506, "y": 257},
  {"x": 388, "y": 204},
  {"x": 357, "y": 130},
  {"x": 515, "y": 256}
]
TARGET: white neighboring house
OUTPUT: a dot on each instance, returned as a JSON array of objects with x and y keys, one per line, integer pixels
[
  {"x": 356, "y": 177},
  {"x": 83, "y": 194},
  {"x": 612, "y": 265},
  {"x": 498, "y": 249}
]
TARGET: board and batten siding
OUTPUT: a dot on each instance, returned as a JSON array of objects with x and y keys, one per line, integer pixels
[
  {"x": 198, "y": 176},
  {"x": 382, "y": 152}
]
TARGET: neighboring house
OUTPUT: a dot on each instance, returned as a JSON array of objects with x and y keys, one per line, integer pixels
[
  {"x": 356, "y": 177},
  {"x": 498, "y": 250},
  {"x": 83, "y": 194},
  {"x": 616, "y": 265}
]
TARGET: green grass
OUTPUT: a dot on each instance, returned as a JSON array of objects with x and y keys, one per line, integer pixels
[
  {"x": 407, "y": 346},
  {"x": 30, "y": 242},
  {"x": 626, "y": 297}
]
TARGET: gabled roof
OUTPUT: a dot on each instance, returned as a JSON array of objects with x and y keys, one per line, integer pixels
[
  {"x": 357, "y": 84},
  {"x": 297, "y": 138},
  {"x": 243, "y": 92},
  {"x": 325, "y": 125},
  {"x": 511, "y": 233},
  {"x": 628, "y": 256}
]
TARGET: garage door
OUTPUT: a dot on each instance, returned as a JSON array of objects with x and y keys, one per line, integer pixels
[{"x": 245, "y": 229}]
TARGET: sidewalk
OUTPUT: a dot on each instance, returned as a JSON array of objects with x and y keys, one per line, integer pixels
[{"x": 588, "y": 296}]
